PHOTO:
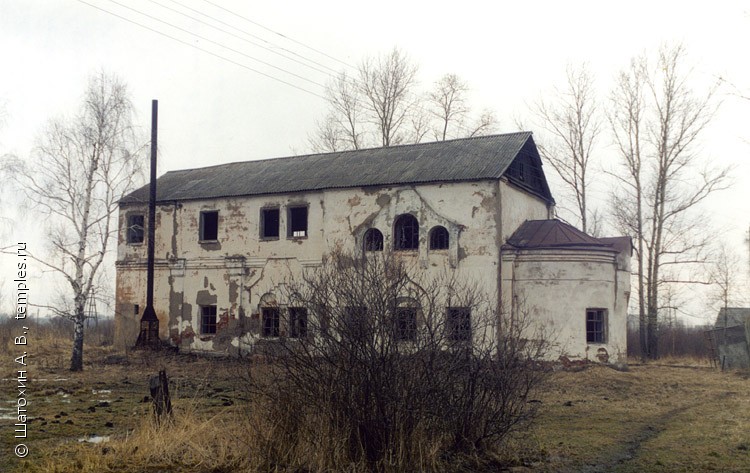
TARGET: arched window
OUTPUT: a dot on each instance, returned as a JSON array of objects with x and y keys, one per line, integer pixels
[
  {"x": 373, "y": 240},
  {"x": 439, "y": 239},
  {"x": 406, "y": 234}
]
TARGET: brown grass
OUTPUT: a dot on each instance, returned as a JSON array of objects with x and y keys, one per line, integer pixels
[{"x": 677, "y": 415}]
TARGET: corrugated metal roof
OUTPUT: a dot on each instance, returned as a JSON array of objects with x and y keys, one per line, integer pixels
[
  {"x": 732, "y": 316},
  {"x": 553, "y": 234},
  {"x": 485, "y": 157}
]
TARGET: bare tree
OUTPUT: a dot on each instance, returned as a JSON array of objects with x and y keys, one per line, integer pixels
[
  {"x": 449, "y": 103},
  {"x": 79, "y": 170},
  {"x": 574, "y": 125},
  {"x": 395, "y": 363},
  {"x": 657, "y": 121}
]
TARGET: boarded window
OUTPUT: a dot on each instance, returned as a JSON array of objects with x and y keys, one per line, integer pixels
[
  {"x": 209, "y": 230},
  {"x": 208, "y": 319},
  {"x": 269, "y": 223},
  {"x": 270, "y": 321},
  {"x": 297, "y": 322},
  {"x": 596, "y": 325},
  {"x": 373, "y": 240},
  {"x": 406, "y": 324},
  {"x": 135, "y": 229},
  {"x": 439, "y": 239},
  {"x": 297, "y": 222},
  {"x": 406, "y": 233},
  {"x": 459, "y": 324}
]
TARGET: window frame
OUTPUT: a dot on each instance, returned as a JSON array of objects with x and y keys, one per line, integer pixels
[
  {"x": 402, "y": 224},
  {"x": 209, "y": 328},
  {"x": 131, "y": 229},
  {"x": 263, "y": 224},
  {"x": 437, "y": 234},
  {"x": 290, "y": 220},
  {"x": 405, "y": 324},
  {"x": 272, "y": 315},
  {"x": 203, "y": 223},
  {"x": 297, "y": 315},
  {"x": 596, "y": 327},
  {"x": 370, "y": 244},
  {"x": 458, "y": 323}
]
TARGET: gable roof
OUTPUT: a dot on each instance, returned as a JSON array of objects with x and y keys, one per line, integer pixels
[
  {"x": 468, "y": 159},
  {"x": 554, "y": 233},
  {"x": 732, "y": 316}
]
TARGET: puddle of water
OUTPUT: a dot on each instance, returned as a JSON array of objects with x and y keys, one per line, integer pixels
[{"x": 95, "y": 439}]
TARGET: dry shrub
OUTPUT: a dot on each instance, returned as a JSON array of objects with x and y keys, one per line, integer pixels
[{"x": 385, "y": 377}]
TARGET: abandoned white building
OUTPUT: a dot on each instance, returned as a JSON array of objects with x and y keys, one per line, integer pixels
[{"x": 227, "y": 234}]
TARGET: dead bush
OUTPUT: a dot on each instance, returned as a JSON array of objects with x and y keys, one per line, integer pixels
[{"x": 404, "y": 370}]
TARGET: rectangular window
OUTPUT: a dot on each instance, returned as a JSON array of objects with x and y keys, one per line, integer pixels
[
  {"x": 135, "y": 229},
  {"x": 406, "y": 324},
  {"x": 270, "y": 322},
  {"x": 596, "y": 325},
  {"x": 355, "y": 321},
  {"x": 269, "y": 223},
  {"x": 296, "y": 222},
  {"x": 208, "y": 319},
  {"x": 459, "y": 324},
  {"x": 209, "y": 230},
  {"x": 297, "y": 322}
]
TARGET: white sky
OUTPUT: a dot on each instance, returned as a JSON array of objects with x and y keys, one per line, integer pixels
[{"x": 213, "y": 111}]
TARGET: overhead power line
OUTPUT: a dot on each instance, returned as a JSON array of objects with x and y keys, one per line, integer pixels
[
  {"x": 204, "y": 50},
  {"x": 281, "y": 35},
  {"x": 218, "y": 44},
  {"x": 268, "y": 46}
]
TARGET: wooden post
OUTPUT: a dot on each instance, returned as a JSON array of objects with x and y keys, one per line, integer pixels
[{"x": 159, "y": 387}]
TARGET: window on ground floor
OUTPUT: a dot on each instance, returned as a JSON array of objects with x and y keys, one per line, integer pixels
[
  {"x": 297, "y": 322},
  {"x": 208, "y": 319},
  {"x": 459, "y": 324},
  {"x": 270, "y": 321},
  {"x": 406, "y": 324},
  {"x": 596, "y": 325}
]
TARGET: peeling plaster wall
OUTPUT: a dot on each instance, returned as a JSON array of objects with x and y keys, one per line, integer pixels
[
  {"x": 240, "y": 269},
  {"x": 557, "y": 286}
]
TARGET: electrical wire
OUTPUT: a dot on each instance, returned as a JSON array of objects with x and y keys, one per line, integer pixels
[
  {"x": 280, "y": 34},
  {"x": 218, "y": 44},
  {"x": 204, "y": 50},
  {"x": 322, "y": 67}
]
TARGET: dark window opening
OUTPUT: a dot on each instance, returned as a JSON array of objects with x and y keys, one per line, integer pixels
[
  {"x": 297, "y": 222},
  {"x": 373, "y": 240},
  {"x": 269, "y": 223},
  {"x": 297, "y": 322},
  {"x": 135, "y": 229},
  {"x": 355, "y": 321},
  {"x": 406, "y": 324},
  {"x": 459, "y": 324},
  {"x": 209, "y": 230},
  {"x": 596, "y": 323},
  {"x": 270, "y": 322},
  {"x": 406, "y": 234},
  {"x": 136, "y": 309},
  {"x": 439, "y": 239},
  {"x": 208, "y": 319}
]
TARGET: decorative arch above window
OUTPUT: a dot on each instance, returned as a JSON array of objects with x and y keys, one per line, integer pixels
[
  {"x": 406, "y": 233},
  {"x": 373, "y": 240},
  {"x": 439, "y": 238}
]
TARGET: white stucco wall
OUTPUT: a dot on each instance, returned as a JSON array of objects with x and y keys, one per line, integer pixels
[
  {"x": 235, "y": 271},
  {"x": 557, "y": 286}
]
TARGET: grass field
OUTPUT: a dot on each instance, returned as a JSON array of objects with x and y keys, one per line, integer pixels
[{"x": 678, "y": 417}]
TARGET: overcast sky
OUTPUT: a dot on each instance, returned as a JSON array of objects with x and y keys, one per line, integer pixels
[{"x": 219, "y": 102}]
